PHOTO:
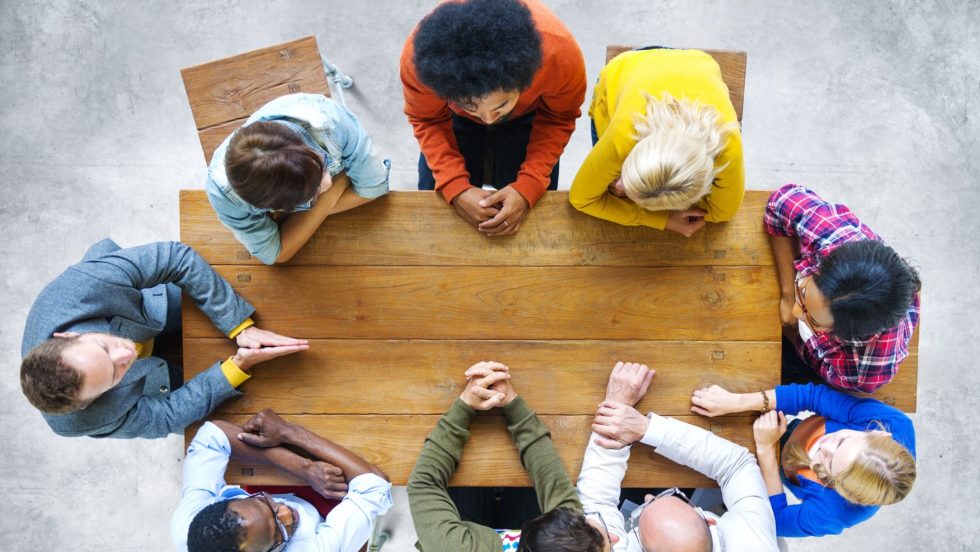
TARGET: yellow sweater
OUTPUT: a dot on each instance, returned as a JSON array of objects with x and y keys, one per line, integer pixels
[{"x": 618, "y": 97}]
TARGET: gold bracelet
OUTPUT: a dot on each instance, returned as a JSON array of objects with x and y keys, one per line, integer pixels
[{"x": 765, "y": 401}]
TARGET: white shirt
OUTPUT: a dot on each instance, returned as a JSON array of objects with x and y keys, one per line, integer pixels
[
  {"x": 747, "y": 526},
  {"x": 345, "y": 529}
]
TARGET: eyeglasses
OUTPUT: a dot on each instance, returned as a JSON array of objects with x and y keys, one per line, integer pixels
[
  {"x": 274, "y": 507},
  {"x": 605, "y": 528},
  {"x": 633, "y": 524},
  {"x": 801, "y": 301}
]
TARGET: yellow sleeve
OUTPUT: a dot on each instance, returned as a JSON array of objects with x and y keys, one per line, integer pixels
[
  {"x": 590, "y": 193},
  {"x": 233, "y": 373},
  {"x": 238, "y": 329},
  {"x": 728, "y": 189}
]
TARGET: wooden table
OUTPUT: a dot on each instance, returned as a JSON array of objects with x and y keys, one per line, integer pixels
[{"x": 400, "y": 296}]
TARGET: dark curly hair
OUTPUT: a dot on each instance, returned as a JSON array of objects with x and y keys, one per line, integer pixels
[
  {"x": 869, "y": 287},
  {"x": 216, "y": 529},
  {"x": 466, "y": 50},
  {"x": 560, "y": 530},
  {"x": 48, "y": 382}
]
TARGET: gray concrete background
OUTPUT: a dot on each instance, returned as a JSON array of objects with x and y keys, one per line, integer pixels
[{"x": 874, "y": 104}]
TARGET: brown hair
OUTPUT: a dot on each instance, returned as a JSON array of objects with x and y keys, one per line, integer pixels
[
  {"x": 49, "y": 383},
  {"x": 269, "y": 166},
  {"x": 882, "y": 473}
]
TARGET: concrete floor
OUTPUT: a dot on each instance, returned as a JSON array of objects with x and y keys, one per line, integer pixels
[{"x": 874, "y": 104}]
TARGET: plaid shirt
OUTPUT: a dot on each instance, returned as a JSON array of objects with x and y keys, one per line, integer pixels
[{"x": 861, "y": 365}]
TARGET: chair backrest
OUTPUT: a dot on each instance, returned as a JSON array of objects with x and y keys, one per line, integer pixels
[
  {"x": 225, "y": 92},
  {"x": 732, "y": 63}
]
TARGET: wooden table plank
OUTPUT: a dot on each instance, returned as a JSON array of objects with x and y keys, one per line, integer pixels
[
  {"x": 689, "y": 303},
  {"x": 352, "y": 376},
  {"x": 418, "y": 228},
  {"x": 489, "y": 458}
]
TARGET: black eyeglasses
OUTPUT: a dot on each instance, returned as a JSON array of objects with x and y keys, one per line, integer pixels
[
  {"x": 633, "y": 524},
  {"x": 274, "y": 507}
]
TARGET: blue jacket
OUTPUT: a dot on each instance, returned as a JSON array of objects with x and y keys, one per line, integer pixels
[
  {"x": 822, "y": 510},
  {"x": 325, "y": 126},
  {"x": 123, "y": 292}
]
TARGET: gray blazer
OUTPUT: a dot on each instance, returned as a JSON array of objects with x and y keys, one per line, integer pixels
[{"x": 123, "y": 292}]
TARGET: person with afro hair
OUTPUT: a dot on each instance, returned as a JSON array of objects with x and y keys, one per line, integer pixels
[{"x": 492, "y": 90}]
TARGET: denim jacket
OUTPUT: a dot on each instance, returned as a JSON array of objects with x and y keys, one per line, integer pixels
[{"x": 328, "y": 128}]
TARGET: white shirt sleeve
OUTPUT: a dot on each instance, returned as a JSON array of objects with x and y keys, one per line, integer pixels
[
  {"x": 599, "y": 485},
  {"x": 749, "y": 520},
  {"x": 204, "y": 478},
  {"x": 348, "y": 526}
]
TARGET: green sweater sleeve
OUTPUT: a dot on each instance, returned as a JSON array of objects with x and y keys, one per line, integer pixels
[
  {"x": 436, "y": 518},
  {"x": 540, "y": 459}
]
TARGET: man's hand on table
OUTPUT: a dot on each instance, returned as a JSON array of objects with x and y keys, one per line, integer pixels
[
  {"x": 267, "y": 429},
  {"x": 618, "y": 425},
  {"x": 513, "y": 209},
  {"x": 256, "y": 346},
  {"x": 488, "y": 386},
  {"x": 468, "y": 206},
  {"x": 326, "y": 479},
  {"x": 628, "y": 383}
]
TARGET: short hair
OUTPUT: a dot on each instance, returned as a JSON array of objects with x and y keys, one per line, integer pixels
[
  {"x": 882, "y": 473},
  {"x": 466, "y": 50},
  {"x": 672, "y": 165},
  {"x": 269, "y": 166},
  {"x": 216, "y": 529},
  {"x": 48, "y": 382},
  {"x": 560, "y": 530},
  {"x": 868, "y": 286}
]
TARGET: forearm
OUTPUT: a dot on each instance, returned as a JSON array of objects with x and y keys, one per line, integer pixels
[
  {"x": 540, "y": 458},
  {"x": 769, "y": 465},
  {"x": 784, "y": 252},
  {"x": 300, "y": 227},
  {"x": 349, "y": 200},
  {"x": 326, "y": 450},
  {"x": 280, "y": 457}
]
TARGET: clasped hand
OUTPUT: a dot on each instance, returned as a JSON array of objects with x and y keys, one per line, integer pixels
[
  {"x": 499, "y": 213},
  {"x": 257, "y": 346},
  {"x": 488, "y": 386}
]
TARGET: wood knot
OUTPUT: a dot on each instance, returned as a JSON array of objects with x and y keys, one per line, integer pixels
[
  {"x": 248, "y": 472},
  {"x": 718, "y": 355},
  {"x": 712, "y": 297},
  {"x": 720, "y": 253}
]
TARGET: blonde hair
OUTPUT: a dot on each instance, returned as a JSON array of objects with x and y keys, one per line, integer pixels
[
  {"x": 882, "y": 473},
  {"x": 672, "y": 165}
]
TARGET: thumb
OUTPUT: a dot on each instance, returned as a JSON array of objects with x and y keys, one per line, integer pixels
[
  {"x": 254, "y": 440},
  {"x": 492, "y": 199}
]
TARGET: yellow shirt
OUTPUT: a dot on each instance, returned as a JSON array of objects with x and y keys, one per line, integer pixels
[{"x": 618, "y": 97}]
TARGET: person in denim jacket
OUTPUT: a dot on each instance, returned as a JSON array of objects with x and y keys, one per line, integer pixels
[{"x": 304, "y": 154}]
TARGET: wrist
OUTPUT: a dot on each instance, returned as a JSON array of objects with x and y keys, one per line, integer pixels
[{"x": 765, "y": 451}]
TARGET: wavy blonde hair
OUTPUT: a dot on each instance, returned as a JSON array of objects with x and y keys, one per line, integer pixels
[
  {"x": 881, "y": 474},
  {"x": 672, "y": 165}
]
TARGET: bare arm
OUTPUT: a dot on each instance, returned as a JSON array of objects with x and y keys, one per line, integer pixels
[
  {"x": 267, "y": 429},
  {"x": 716, "y": 401},
  {"x": 766, "y": 431},
  {"x": 300, "y": 227}
]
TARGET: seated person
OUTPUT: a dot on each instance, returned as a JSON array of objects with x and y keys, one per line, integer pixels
[
  {"x": 215, "y": 517},
  {"x": 667, "y": 151},
  {"x": 88, "y": 343},
  {"x": 844, "y": 463},
  {"x": 849, "y": 303},
  {"x": 669, "y": 522},
  {"x": 511, "y": 84},
  {"x": 437, "y": 519},
  {"x": 304, "y": 154}
]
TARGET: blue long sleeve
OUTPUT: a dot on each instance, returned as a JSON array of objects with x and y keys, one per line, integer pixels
[{"x": 846, "y": 412}]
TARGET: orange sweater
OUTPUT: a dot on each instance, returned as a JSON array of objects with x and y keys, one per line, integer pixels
[{"x": 557, "y": 93}]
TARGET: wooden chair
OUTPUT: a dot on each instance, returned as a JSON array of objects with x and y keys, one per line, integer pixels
[
  {"x": 732, "y": 63},
  {"x": 224, "y": 93}
]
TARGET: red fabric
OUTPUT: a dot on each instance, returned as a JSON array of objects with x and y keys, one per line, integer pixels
[
  {"x": 556, "y": 93},
  {"x": 322, "y": 505}
]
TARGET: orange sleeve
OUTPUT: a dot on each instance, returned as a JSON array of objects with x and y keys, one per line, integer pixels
[
  {"x": 431, "y": 121},
  {"x": 560, "y": 104}
]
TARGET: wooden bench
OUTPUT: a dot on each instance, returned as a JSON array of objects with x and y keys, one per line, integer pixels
[{"x": 400, "y": 296}]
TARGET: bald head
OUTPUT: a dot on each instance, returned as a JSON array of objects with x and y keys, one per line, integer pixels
[{"x": 672, "y": 525}]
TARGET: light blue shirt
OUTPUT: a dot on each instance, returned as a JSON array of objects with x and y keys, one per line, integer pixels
[
  {"x": 325, "y": 126},
  {"x": 345, "y": 529}
]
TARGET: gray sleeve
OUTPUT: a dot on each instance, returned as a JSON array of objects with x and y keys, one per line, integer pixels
[{"x": 157, "y": 263}]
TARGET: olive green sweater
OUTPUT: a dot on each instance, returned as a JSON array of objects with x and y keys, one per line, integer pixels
[{"x": 436, "y": 519}]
